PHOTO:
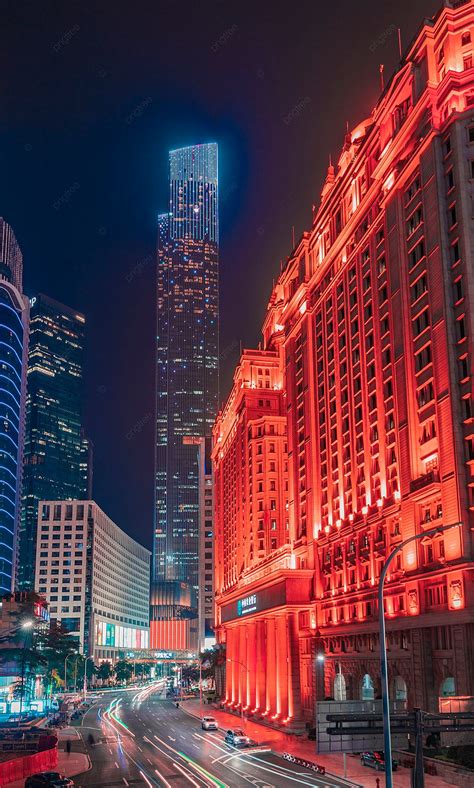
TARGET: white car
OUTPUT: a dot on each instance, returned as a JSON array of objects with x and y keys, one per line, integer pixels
[
  {"x": 237, "y": 737},
  {"x": 209, "y": 724}
]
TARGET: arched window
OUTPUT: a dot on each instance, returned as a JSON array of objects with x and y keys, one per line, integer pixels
[
  {"x": 399, "y": 689},
  {"x": 448, "y": 688},
  {"x": 367, "y": 688},
  {"x": 339, "y": 687}
]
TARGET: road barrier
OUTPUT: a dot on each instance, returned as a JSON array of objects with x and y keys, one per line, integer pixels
[
  {"x": 315, "y": 767},
  {"x": 19, "y": 768}
]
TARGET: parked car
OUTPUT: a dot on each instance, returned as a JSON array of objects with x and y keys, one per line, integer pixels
[
  {"x": 237, "y": 737},
  {"x": 48, "y": 780},
  {"x": 209, "y": 724},
  {"x": 376, "y": 760}
]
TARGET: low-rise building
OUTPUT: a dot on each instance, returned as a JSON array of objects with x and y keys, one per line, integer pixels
[{"x": 95, "y": 578}]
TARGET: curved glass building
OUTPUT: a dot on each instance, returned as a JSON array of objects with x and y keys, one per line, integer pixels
[
  {"x": 11, "y": 398},
  {"x": 13, "y": 327}
]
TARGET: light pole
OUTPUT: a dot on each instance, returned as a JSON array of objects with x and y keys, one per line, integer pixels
[
  {"x": 84, "y": 689},
  {"x": 26, "y": 625},
  {"x": 72, "y": 654},
  {"x": 241, "y": 664},
  {"x": 383, "y": 647}
]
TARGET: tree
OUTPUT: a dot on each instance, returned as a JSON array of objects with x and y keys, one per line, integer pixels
[
  {"x": 123, "y": 670},
  {"x": 104, "y": 671}
]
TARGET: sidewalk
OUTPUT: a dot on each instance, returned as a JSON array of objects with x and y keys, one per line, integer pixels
[
  {"x": 280, "y": 742},
  {"x": 71, "y": 763}
]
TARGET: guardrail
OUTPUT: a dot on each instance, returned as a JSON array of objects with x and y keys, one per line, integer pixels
[{"x": 19, "y": 768}]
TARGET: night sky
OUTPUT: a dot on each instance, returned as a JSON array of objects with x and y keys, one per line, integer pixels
[{"x": 95, "y": 94}]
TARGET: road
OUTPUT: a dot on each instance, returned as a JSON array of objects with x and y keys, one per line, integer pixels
[{"x": 140, "y": 738}]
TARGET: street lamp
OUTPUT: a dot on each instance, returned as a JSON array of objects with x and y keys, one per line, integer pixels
[
  {"x": 84, "y": 690},
  {"x": 237, "y": 662},
  {"x": 383, "y": 648},
  {"x": 26, "y": 625},
  {"x": 72, "y": 654}
]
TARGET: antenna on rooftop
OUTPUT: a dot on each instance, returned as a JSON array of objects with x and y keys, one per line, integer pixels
[
  {"x": 399, "y": 42},
  {"x": 381, "y": 67}
]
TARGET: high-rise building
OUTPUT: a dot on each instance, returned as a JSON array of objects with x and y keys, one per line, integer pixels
[
  {"x": 352, "y": 429},
  {"x": 13, "y": 345},
  {"x": 95, "y": 578},
  {"x": 186, "y": 359},
  {"x": 55, "y": 454},
  {"x": 10, "y": 255}
]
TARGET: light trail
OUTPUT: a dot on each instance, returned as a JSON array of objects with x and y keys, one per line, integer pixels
[{"x": 186, "y": 774}]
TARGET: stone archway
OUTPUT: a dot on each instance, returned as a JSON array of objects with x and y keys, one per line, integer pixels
[
  {"x": 399, "y": 689},
  {"x": 448, "y": 687},
  {"x": 340, "y": 689}
]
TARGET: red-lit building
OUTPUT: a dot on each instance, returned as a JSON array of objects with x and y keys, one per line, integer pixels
[{"x": 353, "y": 428}]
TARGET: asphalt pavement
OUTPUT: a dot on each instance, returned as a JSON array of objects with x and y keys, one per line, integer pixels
[{"x": 141, "y": 738}]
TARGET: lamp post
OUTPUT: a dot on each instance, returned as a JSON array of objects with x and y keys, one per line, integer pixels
[
  {"x": 84, "y": 689},
  {"x": 383, "y": 646},
  {"x": 72, "y": 654},
  {"x": 241, "y": 664},
  {"x": 26, "y": 625}
]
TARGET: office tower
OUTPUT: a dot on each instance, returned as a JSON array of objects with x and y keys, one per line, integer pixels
[
  {"x": 367, "y": 368},
  {"x": 10, "y": 254},
  {"x": 186, "y": 359},
  {"x": 95, "y": 578},
  {"x": 13, "y": 343},
  {"x": 55, "y": 454}
]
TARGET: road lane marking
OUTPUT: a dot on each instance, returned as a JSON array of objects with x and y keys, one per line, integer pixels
[
  {"x": 116, "y": 765},
  {"x": 125, "y": 781}
]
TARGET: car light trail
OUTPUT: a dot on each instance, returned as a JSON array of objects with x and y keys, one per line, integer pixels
[
  {"x": 186, "y": 774},
  {"x": 203, "y": 771}
]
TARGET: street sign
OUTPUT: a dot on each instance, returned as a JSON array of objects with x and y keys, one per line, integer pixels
[{"x": 354, "y": 726}]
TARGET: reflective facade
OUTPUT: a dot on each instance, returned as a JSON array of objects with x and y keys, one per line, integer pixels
[
  {"x": 55, "y": 453},
  {"x": 13, "y": 328},
  {"x": 186, "y": 356}
]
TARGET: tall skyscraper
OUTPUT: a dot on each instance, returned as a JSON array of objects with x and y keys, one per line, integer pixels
[
  {"x": 186, "y": 356},
  {"x": 10, "y": 254},
  {"x": 55, "y": 451},
  {"x": 13, "y": 342},
  {"x": 351, "y": 431}
]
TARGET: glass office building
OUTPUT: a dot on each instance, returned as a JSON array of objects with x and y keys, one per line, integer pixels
[
  {"x": 13, "y": 328},
  {"x": 54, "y": 445},
  {"x": 186, "y": 356}
]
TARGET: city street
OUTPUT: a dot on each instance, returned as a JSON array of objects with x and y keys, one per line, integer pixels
[{"x": 142, "y": 738}]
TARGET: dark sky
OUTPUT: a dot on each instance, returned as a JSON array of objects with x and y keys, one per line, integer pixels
[{"x": 94, "y": 94}]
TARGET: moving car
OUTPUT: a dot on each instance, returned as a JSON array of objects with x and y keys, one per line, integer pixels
[
  {"x": 376, "y": 760},
  {"x": 237, "y": 737},
  {"x": 209, "y": 724},
  {"x": 48, "y": 780}
]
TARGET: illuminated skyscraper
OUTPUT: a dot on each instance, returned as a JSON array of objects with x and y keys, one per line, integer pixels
[
  {"x": 187, "y": 356},
  {"x": 55, "y": 451},
  {"x": 13, "y": 328}
]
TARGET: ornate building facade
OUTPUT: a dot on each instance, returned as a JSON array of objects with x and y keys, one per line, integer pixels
[{"x": 353, "y": 429}]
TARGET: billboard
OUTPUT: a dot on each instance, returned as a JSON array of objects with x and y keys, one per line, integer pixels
[{"x": 256, "y": 602}]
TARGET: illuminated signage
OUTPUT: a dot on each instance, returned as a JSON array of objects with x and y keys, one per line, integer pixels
[
  {"x": 247, "y": 605},
  {"x": 255, "y": 603}
]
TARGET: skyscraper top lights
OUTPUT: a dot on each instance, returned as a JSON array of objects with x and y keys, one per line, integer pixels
[
  {"x": 10, "y": 254},
  {"x": 193, "y": 193}
]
